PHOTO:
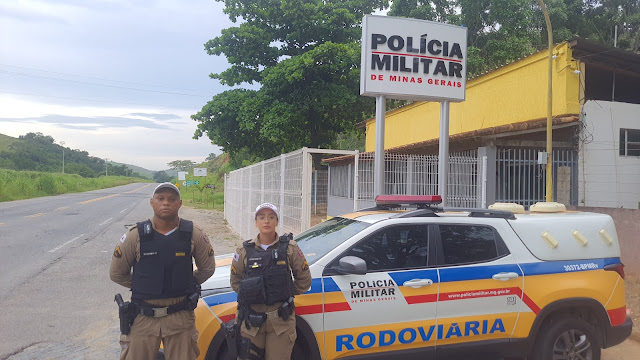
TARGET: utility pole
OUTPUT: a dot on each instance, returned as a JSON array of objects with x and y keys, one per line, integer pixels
[
  {"x": 549, "y": 185},
  {"x": 62, "y": 144}
]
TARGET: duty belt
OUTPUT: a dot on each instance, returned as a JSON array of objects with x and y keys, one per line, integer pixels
[
  {"x": 272, "y": 314},
  {"x": 150, "y": 311},
  {"x": 146, "y": 309}
]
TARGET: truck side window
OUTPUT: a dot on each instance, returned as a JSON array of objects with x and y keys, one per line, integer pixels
[
  {"x": 462, "y": 244},
  {"x": 393, "y": 248}
]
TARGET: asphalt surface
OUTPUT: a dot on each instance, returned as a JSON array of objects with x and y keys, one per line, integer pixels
[
  {"x": 56, "y": 297},
  {"x": 55, "y": 290}
]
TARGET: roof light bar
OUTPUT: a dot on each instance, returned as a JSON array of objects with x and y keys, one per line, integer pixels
[{"x": 408, "y": 200}]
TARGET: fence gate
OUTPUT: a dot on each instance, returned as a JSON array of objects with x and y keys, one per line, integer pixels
[{"x": 522, "y": 180}]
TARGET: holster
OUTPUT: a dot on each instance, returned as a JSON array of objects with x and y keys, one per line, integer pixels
[
  {"x": 124, "y": 313},
  {"x": 256, "y": 319},
  {"x": 244, "y": 350},
  {"x": 286, "y": 309},
  {"x": 192, "y": 301},
  {"x": 232, "y": 335}
]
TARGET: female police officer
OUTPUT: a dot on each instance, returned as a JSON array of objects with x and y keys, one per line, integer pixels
[{"x": 261, "y": 275}]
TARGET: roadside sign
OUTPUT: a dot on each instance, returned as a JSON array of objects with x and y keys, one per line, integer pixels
[
  {"x": 199, "y": 171},
  {"x": 192, "y": 182},
  {"x": 413, "y": 59},
  {"x": 182, "y": 175},
  {"x": 210, "y": 186}
]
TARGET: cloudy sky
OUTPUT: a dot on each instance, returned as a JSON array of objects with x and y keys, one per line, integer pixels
[{"x": 117, "y": 78}]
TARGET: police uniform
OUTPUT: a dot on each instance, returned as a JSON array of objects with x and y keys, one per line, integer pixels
[
  {"x": 276, "y": 335},
  {"x": 151, "y": 286}
]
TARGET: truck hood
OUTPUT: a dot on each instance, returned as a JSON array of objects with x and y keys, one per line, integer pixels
[{"x": 219, "y": 281}]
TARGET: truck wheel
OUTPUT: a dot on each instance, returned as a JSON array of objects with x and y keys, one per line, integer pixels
[{"x": 567, "y": 338}]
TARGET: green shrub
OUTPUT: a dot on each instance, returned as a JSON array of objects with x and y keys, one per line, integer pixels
[{"x": 17, "y": 185}]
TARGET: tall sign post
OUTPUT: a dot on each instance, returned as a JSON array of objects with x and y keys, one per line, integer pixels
[{"x": 412, "y": 59}]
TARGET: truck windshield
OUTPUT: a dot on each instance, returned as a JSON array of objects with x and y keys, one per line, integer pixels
[{"x": 324, "y": 237}]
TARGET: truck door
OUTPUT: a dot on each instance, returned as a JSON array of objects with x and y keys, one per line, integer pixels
[
  {"x": 393, "y": 305},
  {"x": 480, "y": 286}
]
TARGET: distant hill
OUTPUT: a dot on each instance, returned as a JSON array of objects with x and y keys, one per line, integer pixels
[
  {"x": 5, "y": 141},
  {"x": 39, "y": 152},
  {"x": 140, "y": 170}
]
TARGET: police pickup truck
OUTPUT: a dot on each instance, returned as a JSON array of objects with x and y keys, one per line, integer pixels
[{"x": 436, "y": 283}]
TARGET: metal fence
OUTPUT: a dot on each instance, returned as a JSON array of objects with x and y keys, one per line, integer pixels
[
  {"x": 522, "y": 180},
  {"x": 409, "y": 175},
  {"x": 319, "y": 193},
  {"x": 286, "y": 181}
]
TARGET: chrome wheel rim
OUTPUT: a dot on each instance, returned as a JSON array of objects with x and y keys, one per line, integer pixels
[{"x": 572, "y": 345}]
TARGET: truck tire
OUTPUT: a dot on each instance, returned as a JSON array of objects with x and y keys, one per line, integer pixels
[{"x": 567, "y": 338}]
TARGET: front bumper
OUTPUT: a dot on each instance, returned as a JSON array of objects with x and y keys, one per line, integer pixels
[{"x": 614, "y": 335}]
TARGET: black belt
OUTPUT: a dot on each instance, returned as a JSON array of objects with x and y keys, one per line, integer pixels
[{"x": 146, "y": 309}]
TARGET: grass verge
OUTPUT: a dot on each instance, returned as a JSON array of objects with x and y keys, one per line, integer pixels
[
  {"x": 18, "y": 185},
  {"x": 205, "y": 199}
]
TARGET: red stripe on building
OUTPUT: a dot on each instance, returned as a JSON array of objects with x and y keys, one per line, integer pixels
[
  {"x": 420, "y": 299},
  {"x": 617, "y": 316}
]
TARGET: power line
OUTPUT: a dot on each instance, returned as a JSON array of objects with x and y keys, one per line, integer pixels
[
  {"x": 90, "y": 83},
  {"x": 107, "y": 101},
  {"x": 97, "y": 78}
]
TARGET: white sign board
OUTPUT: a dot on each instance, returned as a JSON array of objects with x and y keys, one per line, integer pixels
[
  {"x": 413, "y": 59},
  {"x": 199, "y": 171},
  {"x": 182, "y": 175}
]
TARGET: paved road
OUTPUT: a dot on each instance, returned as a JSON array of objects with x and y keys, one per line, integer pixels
[{"x": 55, "y": 293}]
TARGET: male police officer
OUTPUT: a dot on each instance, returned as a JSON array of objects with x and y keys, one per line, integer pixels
[
  {"x": 261, "y": 275},
  {"x": 164, "y": 285}
]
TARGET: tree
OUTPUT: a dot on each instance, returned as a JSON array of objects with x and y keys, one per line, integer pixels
[
  {"x": 305, "y": 55},
  {"x": 181, "y": 165},
  {"x": 161, "y": 176},
  {"x": 502, "y": 31},
  {"x": 80, "y": 169}
]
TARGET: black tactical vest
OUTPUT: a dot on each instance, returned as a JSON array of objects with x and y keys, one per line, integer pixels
[
  {"x": 271, "y": 268},
  {"x": 165, "y": 269}
]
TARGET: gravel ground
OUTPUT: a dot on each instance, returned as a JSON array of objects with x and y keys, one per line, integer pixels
[
  {"x": 632, "y": 289},
  {"x": 222, "y": 237}
]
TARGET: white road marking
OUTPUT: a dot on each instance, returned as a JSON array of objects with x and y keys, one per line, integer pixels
[
  {"x": 106, "y": 221},
  {"x": 123, "y": 210},
  {"x": 36, "y": 215},
  {"x": 66, "y": 243}
]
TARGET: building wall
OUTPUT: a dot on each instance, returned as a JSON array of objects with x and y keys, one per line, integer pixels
[
  {"x": 607, "y": 179},
  {"x": 513, "y": 93}
]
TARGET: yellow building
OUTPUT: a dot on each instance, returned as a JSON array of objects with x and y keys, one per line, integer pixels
[
  {"x": 510, "y": 98},
  {"x": 596, "y": 128}
]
